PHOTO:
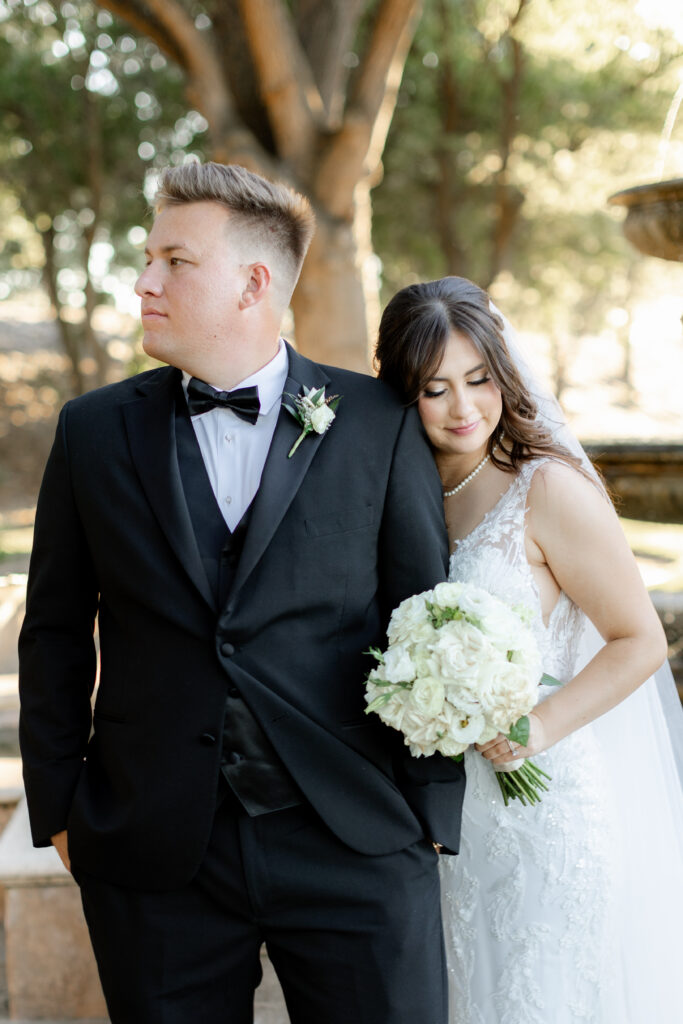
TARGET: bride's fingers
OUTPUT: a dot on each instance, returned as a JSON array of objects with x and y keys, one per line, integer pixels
[
  {"x": 500, "y": 750},
  {"x": 498, "y": 743}
]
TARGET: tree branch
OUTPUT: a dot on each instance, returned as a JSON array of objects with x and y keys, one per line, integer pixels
[
  {"x": 288, "y": 90},
  {"x": 355, "y": 151},
  {"x": 139, "y": 18},
  {"x": 327, "y": 29},
  {"x": 207, "y": 91}
]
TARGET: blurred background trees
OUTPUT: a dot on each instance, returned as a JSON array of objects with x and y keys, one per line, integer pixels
[{"x": 513, "y": 120}]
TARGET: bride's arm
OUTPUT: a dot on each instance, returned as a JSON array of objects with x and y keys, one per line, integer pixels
[{"x": 575, "y": 532}]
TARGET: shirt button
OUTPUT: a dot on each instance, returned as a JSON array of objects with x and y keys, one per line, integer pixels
[
  {"x": 229, "y": 438},
  {"x": 227, "y": 649},
  {"x": 228, "y": 500}
]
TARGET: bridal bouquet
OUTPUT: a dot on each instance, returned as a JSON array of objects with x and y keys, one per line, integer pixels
[{"x": 461, "y": 666}]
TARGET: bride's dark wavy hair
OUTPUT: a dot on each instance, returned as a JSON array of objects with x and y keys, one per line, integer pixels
[{"x": 413, "y": 333}]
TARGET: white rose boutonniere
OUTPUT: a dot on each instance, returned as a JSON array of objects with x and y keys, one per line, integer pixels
[{"x": 314, "y": 411}]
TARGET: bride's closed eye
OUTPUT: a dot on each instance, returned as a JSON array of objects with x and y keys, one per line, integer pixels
[{"x": 442, "y": 391}]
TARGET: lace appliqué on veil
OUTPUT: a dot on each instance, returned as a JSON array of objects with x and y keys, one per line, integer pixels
[{"x": 526, "y": 902}]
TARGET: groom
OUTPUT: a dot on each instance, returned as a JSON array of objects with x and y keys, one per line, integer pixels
[{"x": 228, "y": 789}]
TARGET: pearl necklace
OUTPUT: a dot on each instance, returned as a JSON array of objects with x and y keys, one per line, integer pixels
[{"x": 470, "y": 476}]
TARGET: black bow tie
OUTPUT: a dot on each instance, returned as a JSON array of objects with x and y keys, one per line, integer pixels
[{"x": 244, "y": 402}]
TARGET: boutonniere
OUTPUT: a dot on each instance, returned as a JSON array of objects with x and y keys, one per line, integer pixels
[{"x": 313, "y": 411}]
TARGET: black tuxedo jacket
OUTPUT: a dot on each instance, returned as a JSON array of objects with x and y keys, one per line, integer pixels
[{"x": 339, "y": 534}]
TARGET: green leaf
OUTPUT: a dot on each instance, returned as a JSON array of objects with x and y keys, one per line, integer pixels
[
  {"x": 334, "y": 402},
  {"x": 378, "y": 702},
  {"x": 547, "y": 680},
  {"x": 519, "y": 733},
  {"x": 315, "y": 398},
  {"x": 376, "y": 653},
  {"x": 292, "y": 410}
]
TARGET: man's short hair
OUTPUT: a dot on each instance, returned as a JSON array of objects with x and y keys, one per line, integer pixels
[{"x": 273, "y": 216}]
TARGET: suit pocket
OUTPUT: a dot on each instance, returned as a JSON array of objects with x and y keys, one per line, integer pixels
[{"x": 340, "y": 521}]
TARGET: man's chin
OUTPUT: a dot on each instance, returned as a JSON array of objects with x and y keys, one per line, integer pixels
[{"x": 154, "y": 347}]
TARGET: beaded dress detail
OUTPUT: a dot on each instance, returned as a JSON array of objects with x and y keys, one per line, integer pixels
[{"x": 528, "y": 902}]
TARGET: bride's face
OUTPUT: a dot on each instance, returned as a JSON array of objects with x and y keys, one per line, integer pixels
[{"x": 461, "y": 406}]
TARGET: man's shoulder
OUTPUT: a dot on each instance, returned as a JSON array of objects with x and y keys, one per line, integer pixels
[
  {"x": 365, "y": 388},
  {"x": 120, "y": 392}
]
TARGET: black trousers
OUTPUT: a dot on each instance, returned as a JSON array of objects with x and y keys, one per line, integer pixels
[{"x": 353, "y": 939}]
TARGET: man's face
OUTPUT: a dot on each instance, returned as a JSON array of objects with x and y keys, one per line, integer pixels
[{"x": 191, "y": 285}]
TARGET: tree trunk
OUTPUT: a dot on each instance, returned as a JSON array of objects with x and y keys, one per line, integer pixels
[
  {"x": 66, "y": 332},
  {"x": 296, "y": 117},
  {"x": 336, "y": 303}
]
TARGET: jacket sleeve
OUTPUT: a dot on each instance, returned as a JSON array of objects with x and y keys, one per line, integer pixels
[
  {"x": 413, "y": 558},
  {"x": 57, "y": 657}
]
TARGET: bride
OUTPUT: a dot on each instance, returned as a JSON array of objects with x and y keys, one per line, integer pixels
[{"x": 567, "y": 911}]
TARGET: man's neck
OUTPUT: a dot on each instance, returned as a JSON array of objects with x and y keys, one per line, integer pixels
[{"x": 229, "y": 371}]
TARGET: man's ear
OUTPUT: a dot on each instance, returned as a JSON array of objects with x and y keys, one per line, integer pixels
[{"x": 258, "y": 279}]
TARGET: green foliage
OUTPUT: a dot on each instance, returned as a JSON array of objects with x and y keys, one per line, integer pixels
[
  {"x": 86, "y": 108},
  {"x": 516, "y": 120}
]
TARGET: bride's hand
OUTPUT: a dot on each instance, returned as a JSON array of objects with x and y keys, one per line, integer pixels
[{"x": 506, "y": 755}]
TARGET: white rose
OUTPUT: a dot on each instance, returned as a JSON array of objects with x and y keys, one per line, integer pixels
[
  {"x": 463, "y": 699},
  {"x": 410, "y": 621},
  {"x": 476, "y": 602},
  {"x": 398, "y": 666},
  {"x": 447, "y": 595},
  {"x": 427, "y": 696},
  {"x": 426, "y": 664},
  {"x": 459, "y": 650},
  {"x": 321, "y": 417},
  {"x": 392, "y": 712},
  {"x": 506, "y": 693},
  {"x": 418, "y": 729},
  {"x": 502, "y": 626}
]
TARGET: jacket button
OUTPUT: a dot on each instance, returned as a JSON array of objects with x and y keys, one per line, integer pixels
[
  {"x": 207, "y": 738},
  {"x": 233, "y": 692},
  {"x": 227, "y": 649}
]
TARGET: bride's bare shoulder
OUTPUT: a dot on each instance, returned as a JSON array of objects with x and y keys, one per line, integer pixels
[{"x": 562, "y": 498}]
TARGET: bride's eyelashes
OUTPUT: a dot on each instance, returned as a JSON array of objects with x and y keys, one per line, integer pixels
[{"x": 442, "y": 391}]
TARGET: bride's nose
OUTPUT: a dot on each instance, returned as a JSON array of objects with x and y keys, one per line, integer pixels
[{"x": 460, "y": 405}]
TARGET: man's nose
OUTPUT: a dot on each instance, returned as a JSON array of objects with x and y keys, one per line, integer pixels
[{"x": 148, "y": 282}]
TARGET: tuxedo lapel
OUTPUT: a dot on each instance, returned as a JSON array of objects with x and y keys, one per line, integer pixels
[
  {"x": 282, "y": 476},
  {"x": 150, "y": 424}
]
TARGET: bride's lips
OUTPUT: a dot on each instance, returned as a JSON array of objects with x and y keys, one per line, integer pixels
[{"x": 463, "y": 431}]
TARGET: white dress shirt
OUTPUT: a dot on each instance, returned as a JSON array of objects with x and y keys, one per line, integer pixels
[{"x": 235, "y": 451}]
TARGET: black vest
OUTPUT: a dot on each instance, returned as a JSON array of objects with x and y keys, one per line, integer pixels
[{"x": 249, "y": 763}]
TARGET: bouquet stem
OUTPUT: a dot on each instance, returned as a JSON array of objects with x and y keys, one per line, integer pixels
[{"x": 523, "y": 783}]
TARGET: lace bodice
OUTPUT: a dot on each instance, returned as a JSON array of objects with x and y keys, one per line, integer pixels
[
  {"x": 526, "y": 902},
  {"x": 493, "y": 556}
]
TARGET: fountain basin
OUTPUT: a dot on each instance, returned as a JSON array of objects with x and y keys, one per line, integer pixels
[{"x": 654, "y": 219}]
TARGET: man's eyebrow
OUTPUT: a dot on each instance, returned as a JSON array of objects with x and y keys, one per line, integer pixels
[{"x": 173, "y": 247}]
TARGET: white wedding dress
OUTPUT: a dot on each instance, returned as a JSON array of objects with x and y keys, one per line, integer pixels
[{"x": 566, "y": 912}]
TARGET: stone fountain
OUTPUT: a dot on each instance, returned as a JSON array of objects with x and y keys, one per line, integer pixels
[{"x": 654, "y": 219}]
